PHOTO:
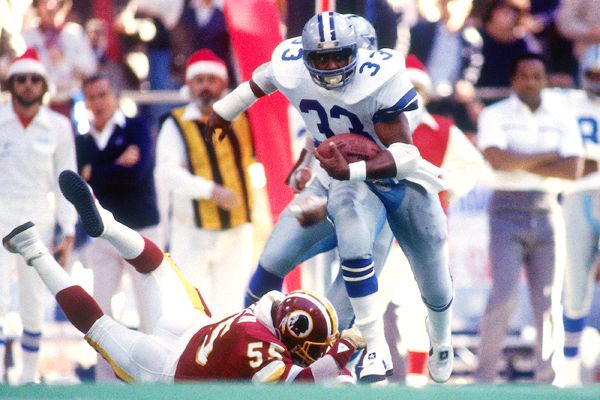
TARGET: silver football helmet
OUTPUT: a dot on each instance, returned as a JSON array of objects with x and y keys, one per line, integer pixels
[
  {"x": 590, "y": 68},
  {"x": 365, "y": 33},
  {"x": 329, "y": 34}
]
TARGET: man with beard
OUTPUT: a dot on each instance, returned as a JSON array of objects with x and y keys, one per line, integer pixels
[
  {"x": 209, "y": 190},
  {"x": 36, "y": 144},
  {"x": 116, "y": 158}
]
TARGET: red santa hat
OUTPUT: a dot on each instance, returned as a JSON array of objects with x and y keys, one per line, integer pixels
[
  {"x": 417, "y": 72},
  {"x": 28, "y": 63},
  {"x": 204, "y": 61}
]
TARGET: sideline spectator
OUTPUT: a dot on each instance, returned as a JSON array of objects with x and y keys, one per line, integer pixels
[
  {"x": 116, "y": 158},
  {"x": 450, "y": 51},
  {"x": 121, "y": 76},
  {"x": 579, "y": 20},
  {"x": 36, "y": 144},
  {"x": 64, "y": 49},
  {"x": 504, "y": 38},
  {"x": 201, "y": 26},
  {"x": 528, "y": 139},
  {"x": 211, "y": 235}
]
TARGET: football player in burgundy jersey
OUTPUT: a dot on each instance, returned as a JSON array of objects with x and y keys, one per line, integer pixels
[{"x": 279, "y": 339}]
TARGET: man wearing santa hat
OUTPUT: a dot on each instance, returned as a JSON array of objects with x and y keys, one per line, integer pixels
[
  {"x": 36, "y": 144},
  {"x": 209, "y": 189}
]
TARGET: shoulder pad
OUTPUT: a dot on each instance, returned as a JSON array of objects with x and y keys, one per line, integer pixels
[
  {"x": 287, "y": 64},
  {"x": 373, "y": 70}
]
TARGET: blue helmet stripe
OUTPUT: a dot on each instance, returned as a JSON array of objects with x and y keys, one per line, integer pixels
[
  {"x": 331, "y": 26},
  {"x": 321, "y": 31}
]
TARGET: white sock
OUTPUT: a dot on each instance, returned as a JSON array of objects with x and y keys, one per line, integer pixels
[
  {"x": 369, "y": 320},
  {"x": 53, "y": 275},
  {"x": 128, "y": 242},
  {"x": 30, "y": 363},
  {"x": 439, "y": 326}
]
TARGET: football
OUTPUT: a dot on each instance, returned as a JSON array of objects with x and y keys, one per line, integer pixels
[{"x": 353, "y": 147}]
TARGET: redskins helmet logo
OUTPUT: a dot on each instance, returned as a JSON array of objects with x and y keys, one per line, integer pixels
[{"x": 300, "y": 323}]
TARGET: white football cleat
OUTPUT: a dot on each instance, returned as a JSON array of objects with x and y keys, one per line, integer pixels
[
  {"x": 440, "y": 363},
  {"x": 375, "y": 368},
  {"x": 26, "y": 241}
]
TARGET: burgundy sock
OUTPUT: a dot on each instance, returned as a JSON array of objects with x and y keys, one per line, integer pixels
[
  {"x": 79, "y": 307},
  {"x": 149, "y": 259}
]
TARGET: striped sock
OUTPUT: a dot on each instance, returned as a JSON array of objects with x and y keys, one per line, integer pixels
[{"x": 573, "y": 331}]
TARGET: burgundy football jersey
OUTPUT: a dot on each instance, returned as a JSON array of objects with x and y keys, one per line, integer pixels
[{"x": 236, "y": 348}]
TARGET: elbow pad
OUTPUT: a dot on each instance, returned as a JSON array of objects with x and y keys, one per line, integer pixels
[
  {"x": 239, "y": 100},
  {"x": 406, "y": 158}
]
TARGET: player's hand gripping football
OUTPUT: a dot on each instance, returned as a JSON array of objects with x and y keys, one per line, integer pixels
[
  {"x": 216, "y": 125},
  {"x": 335, "y": 165},
  {"x": 353, "y": 336}
]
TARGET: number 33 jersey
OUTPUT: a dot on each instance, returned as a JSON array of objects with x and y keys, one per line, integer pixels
[
  {"x": 379, "y": 90},
  {"x": 241, "y": 347}
]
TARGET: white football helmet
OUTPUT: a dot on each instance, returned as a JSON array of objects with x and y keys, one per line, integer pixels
[
  {"x": 365, "y": 32},
  {"x": 326, "y": 33},
  {"x": 590, "y": 68}
]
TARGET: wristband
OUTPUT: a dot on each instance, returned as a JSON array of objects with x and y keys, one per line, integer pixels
[
  {"x": 239, "y": 100},
  {"x": 358, "y": 171},
  {"x": 406, "y": 157},
  {"x": 341, "y": 351}
]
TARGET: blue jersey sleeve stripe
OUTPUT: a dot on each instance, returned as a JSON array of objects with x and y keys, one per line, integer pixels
[{"x": 408, "y": 102}]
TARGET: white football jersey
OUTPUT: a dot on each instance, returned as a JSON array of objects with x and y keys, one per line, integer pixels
[
  {"x": 587, "y": 113},
  {"x": 380, "y": 88}
]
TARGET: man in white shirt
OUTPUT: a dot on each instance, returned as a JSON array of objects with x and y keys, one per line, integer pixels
[
  {"x": 529, "y": 140},
  {"x": 36, "y": 144}
]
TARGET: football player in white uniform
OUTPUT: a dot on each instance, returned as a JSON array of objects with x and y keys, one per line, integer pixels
[
  {"x": 340, "y": 89},
  {"x": 581, "y": 205}
]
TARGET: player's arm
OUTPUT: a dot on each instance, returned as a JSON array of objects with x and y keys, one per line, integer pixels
[
  {"x": 509, "y": 160},
  {"x": 566, "y": 168},
  {"x": 333, "y": 363},
  {"x": 399, "y": 159},
  {"x": 239, "y": 100},
  {"x": 302, "y": 172},
  {"x": 278, "y": 366}
]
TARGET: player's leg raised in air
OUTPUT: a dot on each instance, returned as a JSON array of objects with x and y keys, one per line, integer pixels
[{"x": 134, "y": 356}]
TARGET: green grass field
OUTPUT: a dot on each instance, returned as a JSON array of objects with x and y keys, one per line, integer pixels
[{"x": 234, "y": 391}]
